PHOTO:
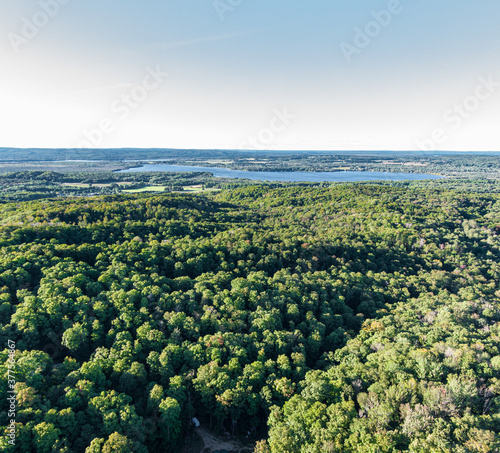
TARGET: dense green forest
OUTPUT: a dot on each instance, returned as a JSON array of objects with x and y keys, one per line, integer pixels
[{"x": 357, "y": 318}]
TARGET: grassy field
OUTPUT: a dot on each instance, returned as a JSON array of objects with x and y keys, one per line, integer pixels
[
  {"x": 189, "y": 189},
  {"x": 146, "y": 189},
  {"x": 198, "y": 188}
]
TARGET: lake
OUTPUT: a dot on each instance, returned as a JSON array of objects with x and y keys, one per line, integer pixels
[{"x": 289, "y": 176}]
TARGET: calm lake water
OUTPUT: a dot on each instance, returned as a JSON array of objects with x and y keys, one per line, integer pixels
[{"x": 290, "y": 176}]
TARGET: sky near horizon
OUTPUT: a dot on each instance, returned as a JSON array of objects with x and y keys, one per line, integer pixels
[{"x": 252, "y": 74}]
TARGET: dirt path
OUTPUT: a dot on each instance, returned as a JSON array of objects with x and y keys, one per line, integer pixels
[{"x": 216, "y": 443}]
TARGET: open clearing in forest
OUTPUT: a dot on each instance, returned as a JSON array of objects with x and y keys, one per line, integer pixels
[
  {"x": 202, "y": 439},
  {"x": 146, "y": 189},
  {"x": 199, "y": 188}
]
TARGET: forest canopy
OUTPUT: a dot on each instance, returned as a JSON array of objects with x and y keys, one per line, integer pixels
[{"x": 357, "y": 318}]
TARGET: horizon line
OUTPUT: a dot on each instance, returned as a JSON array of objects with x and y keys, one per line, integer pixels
[{"x": 247, "y": 150}]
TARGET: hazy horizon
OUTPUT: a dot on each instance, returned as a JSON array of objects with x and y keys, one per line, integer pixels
[{"x": 342, "y": 76}]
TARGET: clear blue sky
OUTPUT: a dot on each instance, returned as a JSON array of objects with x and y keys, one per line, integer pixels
[{"x": 424, "y": 76}]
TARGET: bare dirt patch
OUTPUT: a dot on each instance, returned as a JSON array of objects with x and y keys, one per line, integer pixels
[{"x": 201, "y": 440}]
